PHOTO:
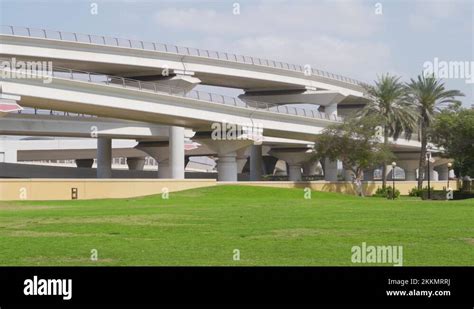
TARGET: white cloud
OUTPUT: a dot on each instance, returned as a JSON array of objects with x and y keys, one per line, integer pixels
[
  {"x": 322, "y": 52},
  {"x": 428, "y": 15},
  {"x": 336, "y": 36},
  {"x": 339, "y": 17}
]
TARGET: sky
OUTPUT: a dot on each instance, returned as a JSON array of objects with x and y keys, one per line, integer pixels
[{"x": 356, "y": 38}]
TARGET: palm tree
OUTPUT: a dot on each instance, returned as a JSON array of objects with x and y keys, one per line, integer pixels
[
  {"x": 398, "y": 116},
  {"x": 430, "y": 95}
]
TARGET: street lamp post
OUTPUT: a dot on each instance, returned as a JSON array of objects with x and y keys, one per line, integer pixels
[
  {"x": 394, "y": 164},
  {"x": 428, "y": 158}
]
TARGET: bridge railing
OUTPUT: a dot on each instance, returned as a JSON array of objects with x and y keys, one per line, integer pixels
[
  {"x": 168, "y": 48},
  {"x": 123, "y": 82},
  {"x": 40, "y": 111}
]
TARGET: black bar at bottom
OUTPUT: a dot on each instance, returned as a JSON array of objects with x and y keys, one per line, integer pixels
[{"x": 282, "y": 285}]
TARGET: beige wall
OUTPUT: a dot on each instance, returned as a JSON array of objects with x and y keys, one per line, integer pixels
[
  {"x": 347, "y": 187},
  {"x": 60, "y": 189}
]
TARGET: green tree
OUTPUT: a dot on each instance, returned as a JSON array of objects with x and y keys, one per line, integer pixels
[
  {"x": 430, "y": 96},
  {"x": 355, "y": 143},
  {"x": 396, "y": 115},
  {"x": 453, "y": 130}
]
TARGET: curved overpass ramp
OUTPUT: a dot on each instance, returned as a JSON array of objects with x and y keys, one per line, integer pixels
[
  {"x": 196, "y": 110},
  {"x": 147, "y": 60}
]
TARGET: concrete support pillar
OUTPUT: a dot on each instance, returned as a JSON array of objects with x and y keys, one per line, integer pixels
[
  {"x": 176, "y": 152},
  {"x": 9, "y": 155},
  {"x": 294, "y": 158},
  {"x": 433, "y": 173},
  {"x": 84, "y": 163},
  {"x": 164, "y": 169},
  {"x": 310, "y": 167},
  {"x": 330, "y": 170},
  {"x": 256, "y": 162},
  {"x": 227, "y": 167},
  {"x": 348, "y": 175},
  {"x": 160, "y": 152},
  {"x": 331, "y": 110},
  {"x": 294, "y": 171},
  {"x": 369, "y": 174},
  {"x": 226, "y": 152},
  {"x": 104, "y": 157},
  {"x": 443, "y": 172},
  {"x": 409, "y": 166},
  {"x": 136, "y": 164}
]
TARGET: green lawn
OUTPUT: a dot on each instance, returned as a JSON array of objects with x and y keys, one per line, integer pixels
[{"x": 204, "y": 226}]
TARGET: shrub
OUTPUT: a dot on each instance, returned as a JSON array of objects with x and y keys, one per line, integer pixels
[
  {"x": 386, "y": 192},
  {"x": 435, "y": 195},
  {"x": 390, "y": 192},
  {"x": 415, "y": 192}
]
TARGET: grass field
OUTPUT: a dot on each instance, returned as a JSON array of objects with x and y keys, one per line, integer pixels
[{"x": 204, "y": 226}]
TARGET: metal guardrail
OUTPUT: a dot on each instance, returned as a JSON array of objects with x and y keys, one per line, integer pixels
[
  {"x": 167, "y": 48},
  {"x": 39, "y": 111},
  {"x": 123, "y": 82}
]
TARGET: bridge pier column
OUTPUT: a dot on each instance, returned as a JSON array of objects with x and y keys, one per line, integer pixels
[
  {"x": 330, "y": 170},
  {"x": 164, "y": 169},
  {"x": 227, "y": 163},
  {"x": 158, "y": 151},
  {"x": 104, "y": 157},
  {"x": 294, "y": 171},
  {"x": 227, "y": 166},
  {"x": 331, "y": 110},
  {"x": 256, "y": 161},
  {"x": 176, "y": 152},
  {"x": 169, "y": 155},
  {"x": 227, "y": 152},
  {"x": 295, "y": 158},
  {"x": 9, "y": 155},
  {"x": 409, "y": 167},
  {"x": 443, "y": 172}
]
